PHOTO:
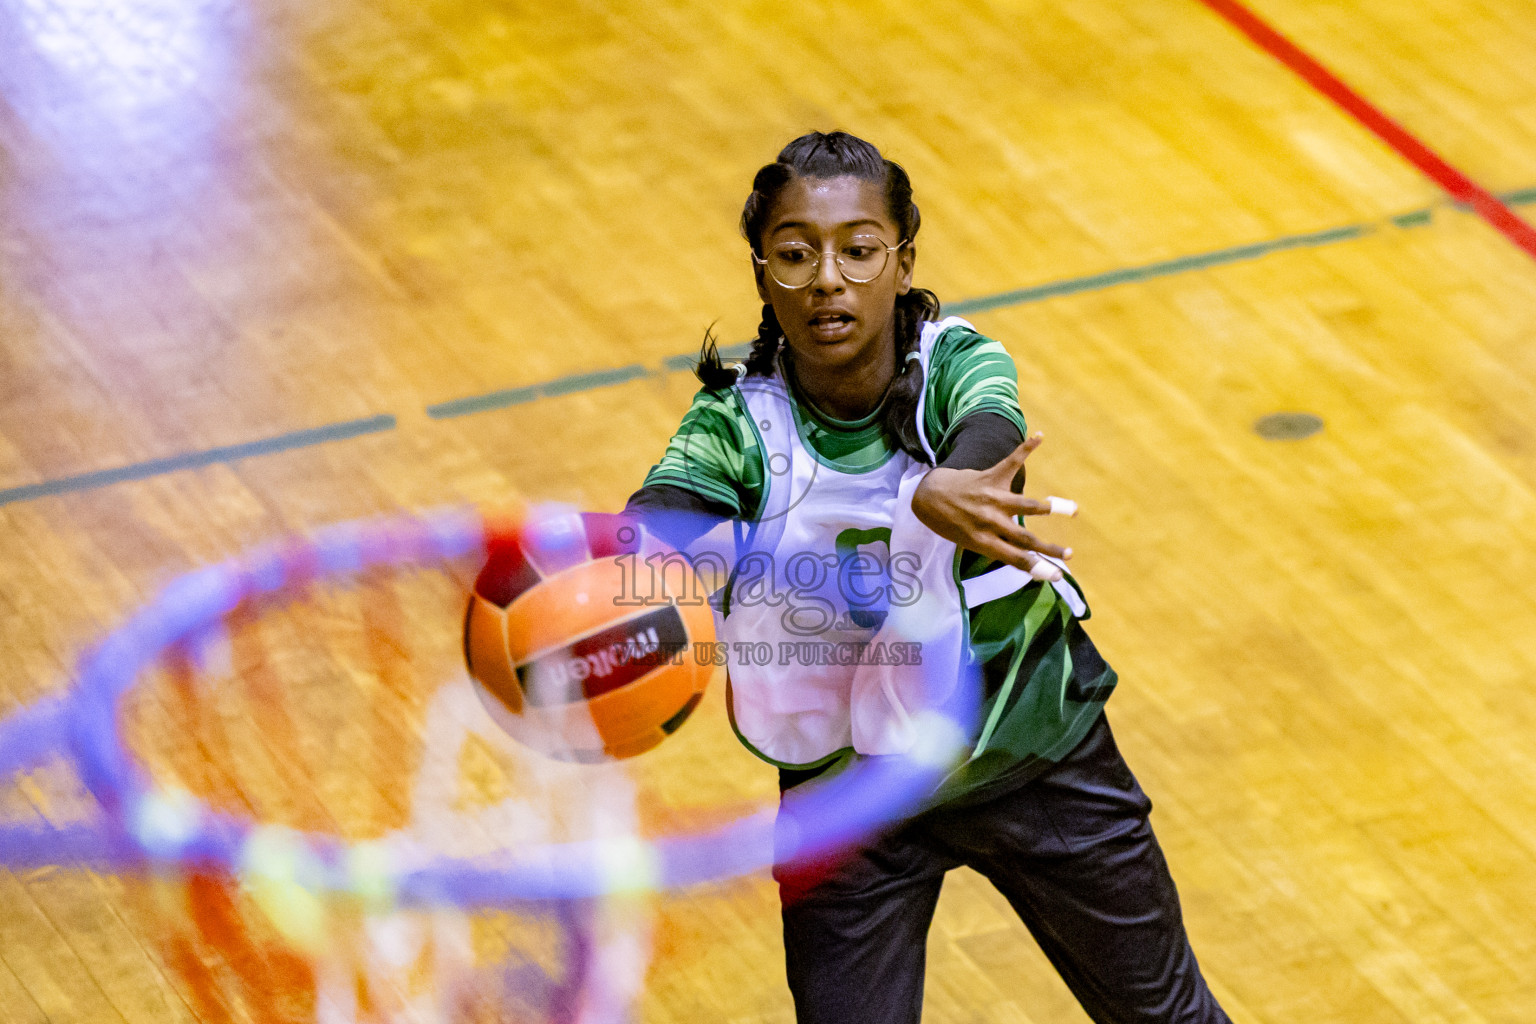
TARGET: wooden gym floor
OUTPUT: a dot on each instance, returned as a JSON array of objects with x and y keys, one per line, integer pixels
[{"x": 269, "y": 265}]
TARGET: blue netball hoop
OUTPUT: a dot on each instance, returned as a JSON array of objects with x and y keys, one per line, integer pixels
[{"x": 145, "y": 825}]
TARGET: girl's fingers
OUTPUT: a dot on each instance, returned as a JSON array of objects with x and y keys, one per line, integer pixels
[
  {"x": 1019, "y": 505},
  {"x": 1020, "y": 558},
  {"x": 1014, "y": 461},
  {"x": 1011, "y": 469},
  {"x": 1026, "y": 446},
  {"x": 1019, "y": 537},
  {"x": 1007, "y": 554}
]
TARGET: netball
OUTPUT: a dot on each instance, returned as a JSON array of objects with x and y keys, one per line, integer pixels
[{"x": 569, "y": 655}]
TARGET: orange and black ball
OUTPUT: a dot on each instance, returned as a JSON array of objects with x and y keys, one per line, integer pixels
[{"x": 580, "y": 636}]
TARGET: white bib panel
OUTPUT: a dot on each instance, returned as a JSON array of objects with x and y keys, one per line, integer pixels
[{"x": 843, "y": 616}]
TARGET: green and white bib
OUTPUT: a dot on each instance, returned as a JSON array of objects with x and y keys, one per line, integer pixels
[{"x": 844, "y": 616}]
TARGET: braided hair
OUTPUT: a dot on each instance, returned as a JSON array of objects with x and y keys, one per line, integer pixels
[{"x": 837, "y": 155}]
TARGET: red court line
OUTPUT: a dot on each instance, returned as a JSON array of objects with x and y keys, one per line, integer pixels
[{"x": 1462, "y": 188}]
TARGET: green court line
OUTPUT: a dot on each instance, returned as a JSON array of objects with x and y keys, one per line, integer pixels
[
  {"x": 580, "y": 382},
  {"x": 483, "y": 403},
  {"x": 597, "y": 379},
  {"x": 197, "y": 460},
  {"x": 1165, "y": 268},
  {"x": 549, "y": 389}
]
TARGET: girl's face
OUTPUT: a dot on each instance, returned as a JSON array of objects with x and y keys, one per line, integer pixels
[{"x": 833, "y": 323}]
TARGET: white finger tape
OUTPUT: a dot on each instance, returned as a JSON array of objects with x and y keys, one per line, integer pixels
[
  {"x": 1062, "y": 506},
  {"x": 1043, "y": 570}
]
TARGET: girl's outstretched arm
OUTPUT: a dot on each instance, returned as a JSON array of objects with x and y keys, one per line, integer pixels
[{"x": 676, "y": 515}]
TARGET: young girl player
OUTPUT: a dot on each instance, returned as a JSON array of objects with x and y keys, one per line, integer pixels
[{"x": 862, "y": 423}]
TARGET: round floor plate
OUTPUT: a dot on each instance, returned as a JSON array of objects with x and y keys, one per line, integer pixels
[{"x": 1288, "y": 426}]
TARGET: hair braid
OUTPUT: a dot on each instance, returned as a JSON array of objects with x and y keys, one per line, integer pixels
[
  {"x": 713, "y": 372},
  {"x": 912, "y": 309},
  {"x": 770, "y": 336}
]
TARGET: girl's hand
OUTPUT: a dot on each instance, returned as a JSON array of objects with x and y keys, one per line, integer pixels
[{"x": 975, "y": 508}]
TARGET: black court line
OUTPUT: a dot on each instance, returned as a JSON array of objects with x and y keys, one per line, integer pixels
[{"x": 579, "y": 382}]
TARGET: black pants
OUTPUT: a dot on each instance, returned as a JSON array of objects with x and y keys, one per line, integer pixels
[{"x": 1073, "y": 852}]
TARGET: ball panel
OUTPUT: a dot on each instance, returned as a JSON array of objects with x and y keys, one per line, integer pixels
[
  {"x": 567, "y": 606},
  {"x": 659, "y": 566},
  {"x": 485, "y": 650},
  {"x": 699, "y": 621},
  {"x": 675, "y": 723},
  {"x": 507, "y": 573},
  {"x": 644, "y": 705},
  {"x": 639, "y": 745}
]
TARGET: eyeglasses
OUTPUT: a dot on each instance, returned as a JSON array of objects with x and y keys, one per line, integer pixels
[{"x": 860, "y": 260}]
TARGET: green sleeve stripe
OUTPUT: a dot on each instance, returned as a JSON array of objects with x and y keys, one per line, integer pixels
[
  {"x": 982, "y": 374},
  {"x": 993, "y": 392},
  {"x": 970, "y": 373},
  {"x": 708, "y": 451},
  {"x": 714, "y": 453},
  {"x": 988, "y": 360}
]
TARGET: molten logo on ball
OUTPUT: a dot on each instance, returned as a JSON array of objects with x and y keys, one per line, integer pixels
[{"x": 606, "y": 660}]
